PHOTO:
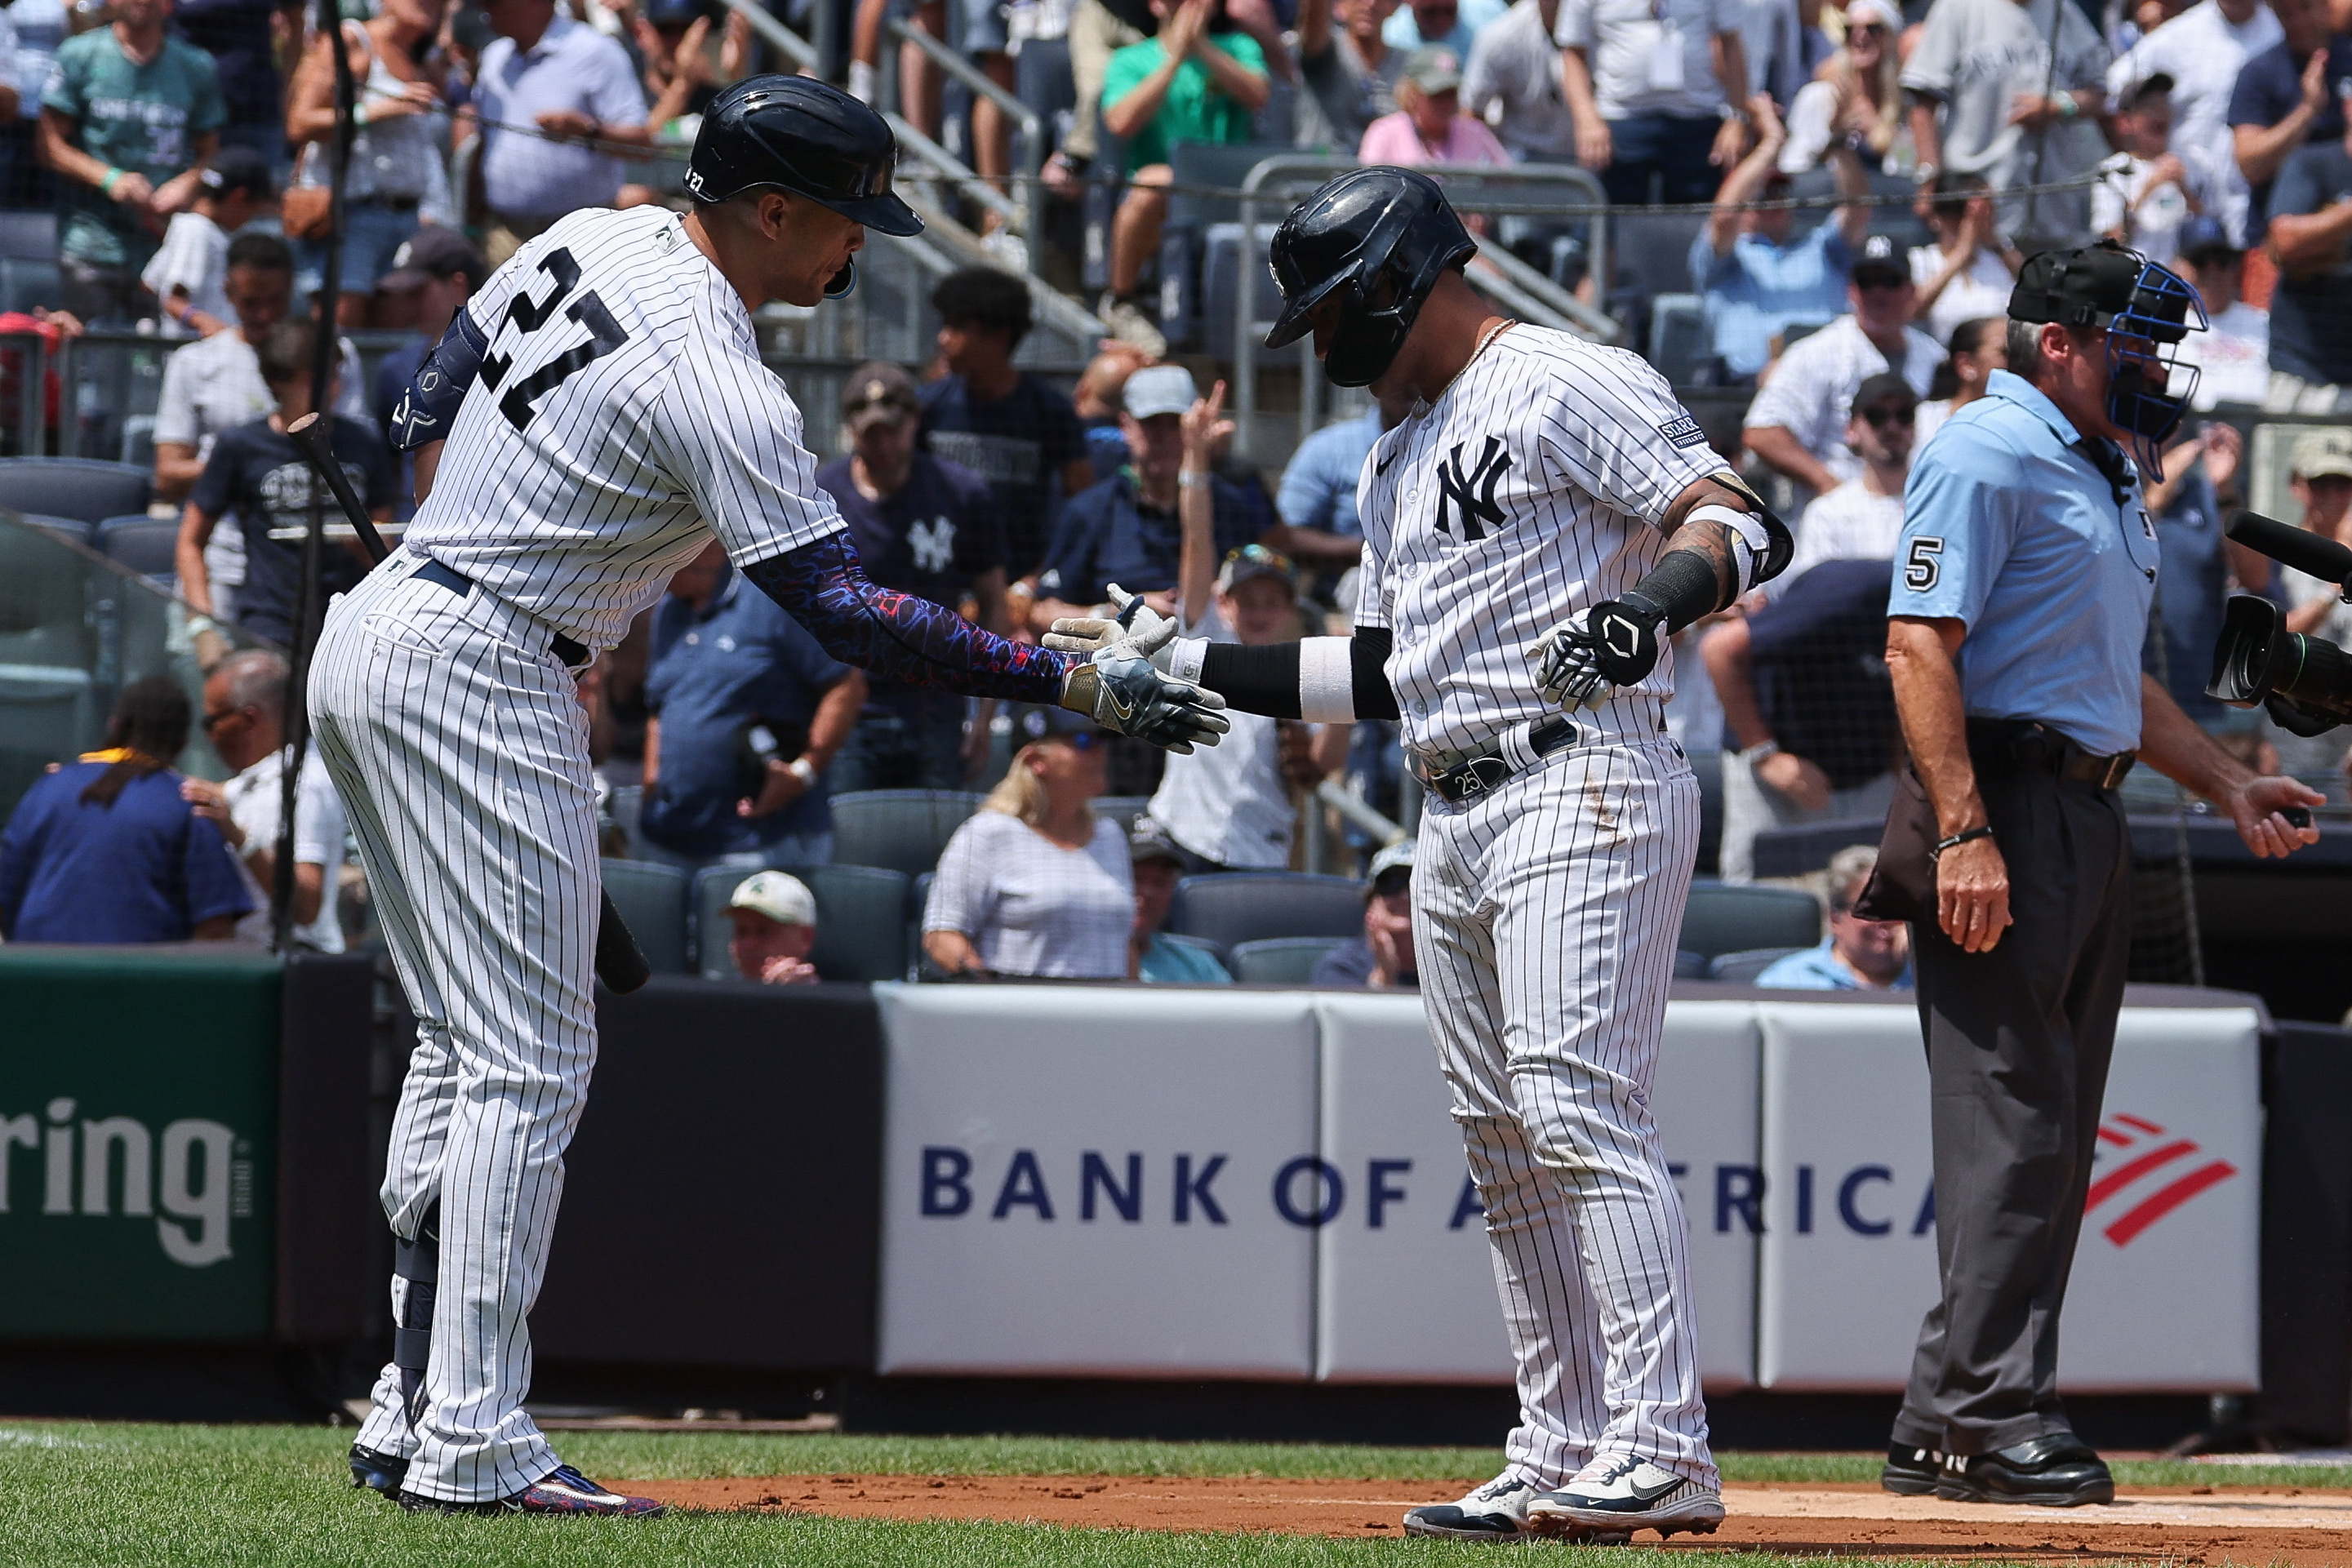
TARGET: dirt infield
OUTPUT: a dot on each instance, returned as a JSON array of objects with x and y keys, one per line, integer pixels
[{"x": 2200, "y": 1526}]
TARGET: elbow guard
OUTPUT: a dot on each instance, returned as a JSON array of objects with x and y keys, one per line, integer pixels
[{"x": 428, "y": 404}]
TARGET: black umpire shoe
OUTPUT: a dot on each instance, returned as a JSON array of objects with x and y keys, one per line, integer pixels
[
  {"x": 2057, "y": 1470},
  {"x": 1911, "y": 1471},
  {"x": 379, "y": 1473}
]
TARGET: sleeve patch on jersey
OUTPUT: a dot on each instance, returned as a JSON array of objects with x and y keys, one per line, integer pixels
[{"x": 1683, "y": 432}]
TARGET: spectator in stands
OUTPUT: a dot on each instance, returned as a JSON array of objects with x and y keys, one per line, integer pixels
[
  {"x": 2311, "y": 309},
  {"x": 2146, "y": 192},
  {"x": 189, "y": 271},
  {"x": 215, "y": 385},
  {"x": 1967, "y": 272},
  {"x": 1647, "y": 113},
  {"x": 1349, "y": 70},
  {"x": 2200, "y": 488},
  {"x": 130, "y": 119},
  {"x": 1016, "y": 432},
  {"x": 1978, "y": 348},
  {"x": 1772, "y": 39},
  {"x": 1381, "y": 959},
  {"x": 1796, "y": 423},
  {"x": 745, "y": 714},
  {"x": 1099, "y": 29},
  {"x": 579, "y": 88},
  {"x": 244, "y": 38},
  {"x": 1197, "y": 80},
  {"x": 1858, "y": 519},
  {"x": 1857, "y": 954},
  {"x": 1099, "y": 399},
  {"x": 245, "y": 718},
  {"x": 2201, "y": 51},
  {"x": 1317, "y": 498},
  {"x": 399, "y": 170},
  {"x": 1855, "y": 101},
  {"x": 104, "y": 849},
  {"x": 1429, "y": 126},
  {"x": 673, "y": 36},
  {"x": 1807, "y": 706},
  {"x": 32, "y": 30},
  {"x": 2320, "y": 476},
  {"x": 257, "y": 474},
  {"x": 431, "y": 277},
  {"x": 2232, "y": 355},
  {"x": 1035, "y": 884},
  {"x": 1159, "y": 865},
  {"x": 1511, "y": 80},
  {"x": 774, "y": 917},
  {"x": 1756, "y": 278},
  {"x": 1987, "y": 99},
  {"x": 925, "y": 526},
  {"x": 1125, "y": 529},
  {"x": 2287, "y": 97},
  {"x": 1452, "y": 24}
]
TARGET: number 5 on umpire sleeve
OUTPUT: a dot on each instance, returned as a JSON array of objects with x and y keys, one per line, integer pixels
[{"x": 1921, "y": 568}]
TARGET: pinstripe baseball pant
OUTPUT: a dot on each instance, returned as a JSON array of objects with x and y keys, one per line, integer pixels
[
  {"x": 1545, "y": 918},
  {"x": 461, "y": 753}
]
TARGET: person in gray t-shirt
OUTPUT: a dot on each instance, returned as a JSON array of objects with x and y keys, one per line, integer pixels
[
  {"x": 1986, "y": 101},
  {"x": 1350, "y": 71}
]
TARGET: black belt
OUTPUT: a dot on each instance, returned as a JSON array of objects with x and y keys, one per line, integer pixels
[
  {"x": 1486, "y": 768},
  {"x": 2024, "y": 742},
  {"x": 572, "y": 652}
]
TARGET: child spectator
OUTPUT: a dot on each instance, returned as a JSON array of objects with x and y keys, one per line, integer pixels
[
  {"x": 1857, "y": 954},
  {"x": 1035, "y": 884},
  {"x": 1381, "y": 959},
  {"x": 1194, "y": 82},
  {"x": 257, "y": 473},
  {"x": 1015, "y": 431},
  {"x": 2232, "y": 355},
  {"x": 104, "y": 849},
  {"x": 2146, "y": 192},
  {"x": 1159, "y": 865},
  {"x": 188, "y": 274},
  {"x": 1429, "y": 126},
  {"x": 774, "y": 917}
]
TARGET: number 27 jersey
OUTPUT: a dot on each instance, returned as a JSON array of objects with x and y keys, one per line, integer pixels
[
  {"x": 622, "y": 416},
  {"x": 1530, "y": 490}
]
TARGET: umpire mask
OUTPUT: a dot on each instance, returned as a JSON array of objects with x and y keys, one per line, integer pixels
[{"x": 2145, "y": 309}]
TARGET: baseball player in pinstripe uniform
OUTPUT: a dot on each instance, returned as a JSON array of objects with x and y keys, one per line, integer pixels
[
  {"x": 1532, "y": 532},
  {"x": 606, "y": 414}
]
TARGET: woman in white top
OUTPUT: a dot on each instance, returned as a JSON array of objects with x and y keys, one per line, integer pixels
[
  {"x": 399, "y": 172},
  {"x": 1035, "y": 884},
  {"x": 1855, "y": 94},
  {"x": 1970, "y": 270},
  {"x": 1978, "y": 348}
]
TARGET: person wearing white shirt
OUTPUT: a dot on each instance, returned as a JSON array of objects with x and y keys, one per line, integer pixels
[
  {"x": 1978, "y": 348},
  {"x": 2146, "y": 192},
  {"x": 2202, "y": 49},
  {"x": 188, "y": 274},
  {"x": 1034, "y": 883},
  {"x": 1798, "y": 421},
  {"x": 1511, "y": 81},
  {"x": 245, "y": 719},
  {"x": 1855, "y": 99},
  {"x": 1657, "y": 88},
  {"x": 1967, "y": 272},
  {"x": 2232, "y": 356}
]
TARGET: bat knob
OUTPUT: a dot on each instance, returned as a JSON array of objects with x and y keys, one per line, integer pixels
[{"x": 303, "y": 424}]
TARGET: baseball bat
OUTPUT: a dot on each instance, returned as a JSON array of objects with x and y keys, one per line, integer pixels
[{"x": 620, "y": 962}]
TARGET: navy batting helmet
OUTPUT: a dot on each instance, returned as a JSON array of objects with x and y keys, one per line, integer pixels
[
  {"x": 1376, "y": 240},
  {"x": 801, "y": 135}
]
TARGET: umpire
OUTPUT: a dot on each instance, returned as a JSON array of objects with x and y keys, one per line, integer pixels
[{"x": 2022, "y": 581}]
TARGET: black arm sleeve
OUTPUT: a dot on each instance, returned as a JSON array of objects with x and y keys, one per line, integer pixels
[
  {"x": 1266, "y": 679},
  {"x": 428, "y": 404},
  {"x": 898, "y": 636}
]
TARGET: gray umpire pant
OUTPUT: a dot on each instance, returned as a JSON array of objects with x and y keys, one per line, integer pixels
[{"x": 2019, "y": 1040}]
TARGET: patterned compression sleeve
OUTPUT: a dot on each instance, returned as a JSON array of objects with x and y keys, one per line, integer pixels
[{"x": 898, "y": 636}]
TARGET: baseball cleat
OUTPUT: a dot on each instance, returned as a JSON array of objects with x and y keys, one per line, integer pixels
[
  {"x": 564, "y": 1491},
  {"x": 2057, "y": 1470},
  {"x": 380, "y": 1473},
  {"x": 1911, "y": 1470},
  {"x": 1495, "y": 1511},
  {"x": 1618, "y": 1496}
]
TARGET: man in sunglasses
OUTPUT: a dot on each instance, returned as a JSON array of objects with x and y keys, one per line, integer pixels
[{"x": 1797, "y": 422}]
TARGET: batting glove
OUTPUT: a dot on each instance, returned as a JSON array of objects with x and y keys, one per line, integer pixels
[
  {"x": 1118, "y": 688},
  {"x": 1582, "y": 662},
  {"x": 1135, "y": 623}
]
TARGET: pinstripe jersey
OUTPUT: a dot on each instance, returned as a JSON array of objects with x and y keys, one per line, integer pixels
[
  {"x": 622, "y": 416},
  {"x": 1530, "y": 490}
]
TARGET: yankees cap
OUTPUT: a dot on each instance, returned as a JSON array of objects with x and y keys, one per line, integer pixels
[{"x": 878, "y": 391}]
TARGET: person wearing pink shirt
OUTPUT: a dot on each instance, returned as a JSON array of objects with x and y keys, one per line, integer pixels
[{"x": 1429, "y": 126}]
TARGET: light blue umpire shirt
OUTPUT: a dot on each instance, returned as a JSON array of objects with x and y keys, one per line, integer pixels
[{"x": 2010, "y": 527}]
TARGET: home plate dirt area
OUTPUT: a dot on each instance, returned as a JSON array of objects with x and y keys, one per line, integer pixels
[{"x": 2184, "y": 1525}]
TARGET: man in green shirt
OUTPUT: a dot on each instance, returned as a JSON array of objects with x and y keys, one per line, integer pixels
[
  {"x": 1186, "y": 85},
  {"x": 130, "y": 120}
]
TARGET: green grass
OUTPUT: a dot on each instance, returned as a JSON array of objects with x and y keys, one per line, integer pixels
[{"x": 89, "y": 1493}]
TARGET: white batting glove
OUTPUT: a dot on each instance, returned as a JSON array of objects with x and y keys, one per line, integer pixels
[
  {"x": 1137, "y": 625},
  {"x": 1568, "y": 661}
]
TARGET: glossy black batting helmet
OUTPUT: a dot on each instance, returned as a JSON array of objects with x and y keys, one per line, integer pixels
[
  {"x": 801, "y": 135},
  {"x": 1375, "y": 239}
]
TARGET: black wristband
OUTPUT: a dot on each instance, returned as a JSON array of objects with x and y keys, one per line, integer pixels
[{"x": 1983, "y": 830}]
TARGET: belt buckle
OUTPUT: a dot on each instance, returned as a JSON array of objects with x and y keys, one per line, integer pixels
[{"x": 2119, "y": 767}]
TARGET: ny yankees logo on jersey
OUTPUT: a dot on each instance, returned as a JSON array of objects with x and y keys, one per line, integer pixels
[
  {"x": 1474, "y": 493},
  {"x": 933, "y": 544}
]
